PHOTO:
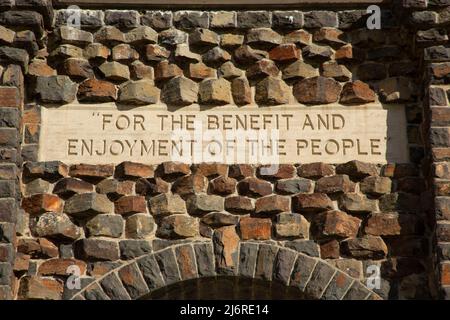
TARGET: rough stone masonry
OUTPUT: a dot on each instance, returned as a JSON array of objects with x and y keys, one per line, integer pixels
[{"x": 131, "y": 228}]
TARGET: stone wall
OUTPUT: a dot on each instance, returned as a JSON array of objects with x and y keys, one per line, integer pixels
[{"x": 105, "y": 218}]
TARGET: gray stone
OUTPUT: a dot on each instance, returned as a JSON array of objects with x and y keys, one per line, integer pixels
[
  {"x": 172, "y": 37},
  {"x": 115, "y": 71},
  {"x": 186, "y": 261},
  {"x": 166, "y": 204},
  {"x": 180, "y": 91},
  {"x": 139, "y": 92},
  {"x": 88, "y": 204},
  {"x": 265, "y": 261},
  {"x": 191, "y": 19},
  {"x": 75, "y": 36},
  {"x": 319, "y": 280},
  {"x": 287, "y": 19},
  {"x": 133, "y": 281},
  {"x": 247, "y": 55},
  {"x": 308, "y": 247},
  {"x": 14, "y": 55},
  {"x": 97, "y": 249},
  {"x": 105, "y": 225},
  {"x": 216, "y": 56},
  {"x": 357, "y": 292},
  {"x": 55, "y": 89},
  {"x": 202, "y": 203},
  {"x": 316, "y": 52},
  {"x": 140, "y": 226},
  {"x": 352, "y": 19},
  {"x": 141, "y": 35},
  {"x": 158, "y": 20},
  {"x": 37, "y": 186},
  {"x": 57, "y": 225},
  {"x": 215, "y": 92},
  {"x": 109, "y": 35},
  {"x": 95, "y": 292},
  {"x": 301, "y": 273},
  {"x": 205, "y": 259},
  {"x": 284, "y": 264},
  {"x": 67, "y": 187},
  {"x": 337, "y": 287},
  {"x": 296, "y": 185},
  {"x": 150, "y": 271},
  {"x": 130, "y": 249},
  {"x": 204, "y": 38},
  {"x": 9, "y": 117},
  {"x": 178, "y": 226},
  {"x": 319, "y": 19},
  {"x": 113, "y": 287},
  {"x": 247, "y": 261},
  {"x": 254, "y": 19},
  {"x": 264, "y": 37},
  {"x": 122, "y": 18},
  {"x": 89, "y": 19},
  {"x": 357, "y": 203},
  {"x": 288, "y": 225},
  {"x": 222, "y": 19},
  {"x": 219, "y": 219},
  {"x": 168, "y": 266}
]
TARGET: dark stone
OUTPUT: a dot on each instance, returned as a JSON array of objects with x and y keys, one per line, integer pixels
[
  {"x": 191, "y": 19},
  {"x": 14, "y": 55},
  {"x": 253, "y": 19},
  {"x": 357, "y": 292},
  {"x": 168, "y": 266},
  {"x": 265, "y": 262},
  {"x": 247, "y": 260},
  {"x": 24, "y": 19},
  {"x": 158, "y": 20},
  {"x": 186, "y": 261},
  {"x": 125, "y": 19},
  {"x": 205, "y": 259},
  {"x": 8, "y": 210},
  {"x": 352, "y": 19},
  {"x": 95, "y": 292},
  {"x": 337, "y": 287},
  {"x": 287, "y": 19},
  {"x": 113, "y": 287},
  {"x": 303, "y": 267},
  {"x": 320, "y": 278},
  {"x": 319, "y": 19},
  {"x": 150, "y": 271},
  {"x": 130, "y": 249},
  {"x": 133, "y": 281},
  {"x": 283, "y": 265},
  {"x": 89, "y": 19},
  {"x": 308, "y": 247}
]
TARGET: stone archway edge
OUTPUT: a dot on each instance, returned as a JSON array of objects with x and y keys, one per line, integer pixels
[{"x": 139, "y": 277}]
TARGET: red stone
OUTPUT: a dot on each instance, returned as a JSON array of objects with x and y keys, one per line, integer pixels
[
  {"x": 255, "y": 228},
  {"x": 285, "y": 52},
  {"x": 130, "y": 204},
  {"x": 40, "y": 203}
]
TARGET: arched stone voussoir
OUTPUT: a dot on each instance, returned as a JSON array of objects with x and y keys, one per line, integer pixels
[{"x": 315, "y": 277}]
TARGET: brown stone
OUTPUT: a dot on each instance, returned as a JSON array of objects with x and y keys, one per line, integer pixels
[
  {"x": 317, "y": 90},
  {"x": 330, "y": 36},
  {"x": 141, "y": 71},
  {"x": 21, "y": 262},
  {"x": 240, "y": 171},
  {"x": 299, "y": 70},
  {"x": 285, "y": 53},
  {"x": 204, "y": 38},
  {"x": 254, "y": 187},
  {"x": 115, "y": 189},
  {"x": 188, "y": 185},
  {"x": 241, "y": 91},
  {"x": 10, "y": 97},
  {"x": 239, "y": 205},
  {"x": 272, "y": 204},
  {"x": 78, "y": 68},
  {"x": 329, "y": 249},
  {"x": 115, "y": 71},
  {"x": 199, "y": 204},
  {"x": 128, "y": 169},
  {"x": 255, "y": 228},
  {"x": 37, "y": 288},
  {"x": 272, "y": 91},
  {"x": 219, "y": 219},
  {"x": 262, "y": 68},
  {"x": 60, "y": 267},
  {"x": 124, "y": 52},
  {"x": 215, "y": 92},
  {"x": 180, "y": 91},
  {"x": 315, "y": 170},
  {"x": 223, "y": 185},
  {"x": 165, "y": 71},
  {"x": 96, "y": 52},
  {"x": 93, "y": 90},
  {"x": 178, "y": 227},
  {"x": 200, "y": 71},
  {"x": 367, "y": 247},
  {"x": 334, "y": 184},
  {"x": 231, "y": 41},
  {"x": 89, "y": 171},
  {"x": 246, "y": 55},
  {"x": 141, "y": 35},
  {"x": 88, "y": 204},
  {"x": 67, "y": 187},
  {"x": 166, "y": 204},
  {"x": 357, "y": 169},
  {"x": 280, "y": 171},
  {"x": 40, "y": 203},
  {"x": 40, "y": 68},
  {"x": 336, "y": 71},
  {"x": 391, "y": 224},
  {"x": 37, "y": 248},
  {"x": 212, "y": 169},
  {"x": 291, "y": 225},
  {"x": 357, "y": 203},
  {"x": 130, "y": 204},
  {"x": 376, "y": 185},
  {"x": 109, "y": 35},
  {"x": 348, "y": 53},
  {"x": 175, "y": 169},
  {"x": 314, "y": 202},
  {"x": 397, "y": 89},
  {"x": 299, "y": 37},
  {"x": 317, "y": 53},
  {"x": 265, "y": 37},
  {"x": 229, "y": 71},
  {"x": 57, "y": 226},
  {"x": 216, "y": 56},
  {"x": 357, "y": 92},
  {"x": 183, "y": 54},
  {"x": 97, "y": 249},
  {"x": 226, "y": 248},
  {"x": 139, "y": 226},
  {"x": 336, "y": 223},
  {"x": 156, "y": 53}
]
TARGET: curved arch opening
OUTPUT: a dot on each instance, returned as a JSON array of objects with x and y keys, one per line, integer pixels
[{"x": 226, "y": 288}]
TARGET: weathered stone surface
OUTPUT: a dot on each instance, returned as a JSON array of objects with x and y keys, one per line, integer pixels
[
  {"x": 157, "y": 19},
  {"x": 113, "y": 287},
  {"x": 139, "y": 70},
  {"x": 357, "y": 92},
  {"x": 184, "y": 55},
  {"x": 317, "y": 90},
  {"x": 336, "y": 223},
  {"x": 254, "y": 187},
  {"x": 295, "y": 185},
  {"x": 141, "y": 35},
  {"x": 186, "y": 262},
  {"x": 229, "y": 71},
  {"x": 93, "y": 90},
  {"x": 247, "y": 261},
  {"x": 357, "y": 203},
  {"x": 285, "y": 53},
  {"x": 59, "y": 267},
  {"x": 337, "y": 287},
  {"x": 40, "y": 203},
  {"x": 246, "y": 55},
  {"x": 291, "y": 225},
  {"x": 9, "y": 97},
  {"x": 241, "y": 91},
  {"x": 320, "y": 278},
  {"x": 336, "y": 71},
  {"x": 140, "y": 226},
  {"x": 231, "y": 41},
  {"x": 188, "y": 185},
  {"x": 38, "y": 288},
  {"x": 264, "y": 37},
  {"x": 396, "y": 89},
  {"x": 199, "y": 204},
  {"x": 96, "y": 53},
  {"x": 299, "y": 37},
  {"x": 172, "y": 37},
  {"x": 216, "y": 56},
  {"x": 222, "y": 19},
  {"x": 314, "y": 202},
  {"x": 124, "y": 19},
  {"x": 330, "y": 36},
  {"x": 67, "y": 187},
  {"x": 253, "y": 19},
  {"x": 166, "y": 70},
  {"x": 280, "y": 171},
  {"x": 203, "y": 38},
  {"x": 150, "y": 271},
  {"x": 287, "y": 19},
  {"x": 200, "y": 71},
  {"x": 223, "y": 185},
  {"x": 219, "y": 219},
  {"x": 109, "y": 35},
  {"x": 55, "y": 89},
  {"x": 392, "y": 224},
  {"x": 205, "y": 259},
  {"x": 97, "y": 249},
  {"x": 226, "y": 249},
  {"x": 262, "y": 69},
  {"x": 14, "y": 55},
  {"x": 367, "y": 247},
  {"x": 271, "y": 91},
  {"x": 371, "y": 71},
  {"x": 166, "y": 204},
  {"x": 133, "y": 281},
  {"x": 131, "y": 249},
  {"x": 139, "y": 92},
  {"x": 330, "y": 249},
  {"x": 124, "y": 53},
  {"x": 180, "y": 91},
  {"x": 57, "y": 225},
  {"x": 315, "y": 170},
  {"x": 215, "y": 91},
  {"x": 255, "y": 228},
  {"x": 302, "y": 270},
  {"x": 308, "y": 247},
  {"x": 154, "y": 52},
  {"x": 318, "y": 19},
  {"x": 115, "y": 71},
  {"x": 178, "y": 227},
  {"x": 376, "y": 185},
  {"x": 399, "y": 201},
  {"x": 88, "y": 204},
  {"x": 265, "y": 262},
  {"x": 105, "y": 225},
  {"x": 272, "y": 204},
  {"x": 317, "y": 53},
  {"x": 6, "y": 35},
  {"x": 335, "y": 184},
  {"x": 37, "y": 248},
  {"x": 91, "y": 172},
  {"x": 191, "y": 19},
  {"x": 239, "y": 205},
  {"x": 72, "y": 35}
]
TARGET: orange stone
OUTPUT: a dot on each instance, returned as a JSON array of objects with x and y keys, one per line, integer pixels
[{"x": 255, "y": 228}]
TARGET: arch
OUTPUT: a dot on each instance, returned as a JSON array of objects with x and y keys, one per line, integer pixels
[{"x": 314, "y": 277}]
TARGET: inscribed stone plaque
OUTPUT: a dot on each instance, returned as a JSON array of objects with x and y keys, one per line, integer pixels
[{"x": 102, "y": 133}]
